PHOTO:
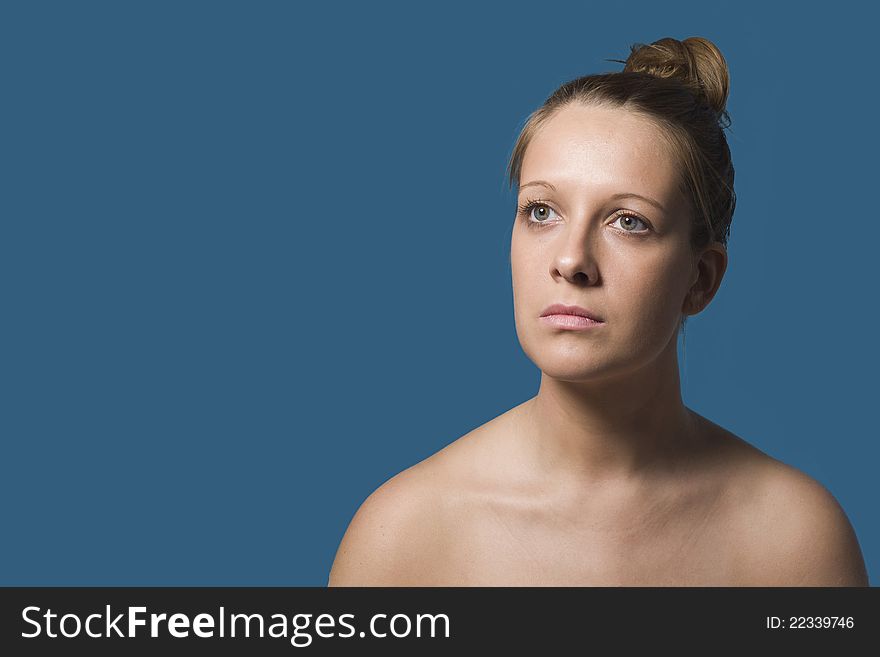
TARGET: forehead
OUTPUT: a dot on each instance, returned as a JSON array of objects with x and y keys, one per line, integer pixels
[{"x": 601, "y": 148}]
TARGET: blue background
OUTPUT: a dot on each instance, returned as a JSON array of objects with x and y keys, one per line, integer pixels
[{"x": 255, "y": 262}]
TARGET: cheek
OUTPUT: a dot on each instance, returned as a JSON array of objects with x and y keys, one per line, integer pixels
[
  {"x": 521, "y": 263},
  {"x": 525, "y": 270},
  {"x": 651, "y": 291}
]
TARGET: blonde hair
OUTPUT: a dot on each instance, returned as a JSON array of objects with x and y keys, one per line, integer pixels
[{"x": 682, "y": 86}]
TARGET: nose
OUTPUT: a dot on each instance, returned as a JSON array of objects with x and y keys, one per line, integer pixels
[{"x": 574, "y": 258}]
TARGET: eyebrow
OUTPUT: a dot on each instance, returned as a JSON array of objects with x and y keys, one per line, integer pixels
[{"x": 615, "y": 197}]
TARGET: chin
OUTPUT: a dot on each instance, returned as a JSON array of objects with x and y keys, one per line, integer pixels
[
  {"x": 582, "y": 364},
  {"x": 574, "y": 374}
]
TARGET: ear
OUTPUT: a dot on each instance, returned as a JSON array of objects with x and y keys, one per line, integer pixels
[{"x": 709, "y": 269}]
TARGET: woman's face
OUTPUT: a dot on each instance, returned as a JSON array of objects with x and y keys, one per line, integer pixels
[{"x": 620, "y": 257}]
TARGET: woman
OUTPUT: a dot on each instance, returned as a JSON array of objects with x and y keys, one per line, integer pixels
[{"x": 605, "y": 477}]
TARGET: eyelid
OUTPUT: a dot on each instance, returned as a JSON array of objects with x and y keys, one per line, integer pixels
[
  {"x": 527, "y": 206},
  {"x": 619, "y": 214}
]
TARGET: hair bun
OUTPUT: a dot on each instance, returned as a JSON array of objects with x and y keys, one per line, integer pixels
[{"x": 696, "y": 62}]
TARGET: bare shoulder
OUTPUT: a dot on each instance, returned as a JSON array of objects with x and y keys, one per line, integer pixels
[
  {"x": 392, "y": 532},
  {"x": 404, "y": 531},
  {"x": 795, "y": 531}
]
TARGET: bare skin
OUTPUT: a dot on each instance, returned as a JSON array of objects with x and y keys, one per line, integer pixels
[
  {"x": 473, "y": 514},
  {"x": 604, "y": 477}
]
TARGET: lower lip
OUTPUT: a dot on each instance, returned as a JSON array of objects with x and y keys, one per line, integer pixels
[{"x": 570, "y": 322}]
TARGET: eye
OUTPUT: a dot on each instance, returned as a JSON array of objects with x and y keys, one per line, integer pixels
[
  {"x": 628, "y": 222},
  {"x": 527, "y": 209}
]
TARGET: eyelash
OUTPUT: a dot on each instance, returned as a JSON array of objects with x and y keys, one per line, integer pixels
[{"x": 526, "y": 209}]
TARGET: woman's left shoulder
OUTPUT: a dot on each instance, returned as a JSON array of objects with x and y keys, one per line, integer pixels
[{"x": 795, "y": 531}]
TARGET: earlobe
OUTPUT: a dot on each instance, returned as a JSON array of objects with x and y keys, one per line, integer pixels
[
  {"x": 708, "y": 272},
  {"x": 689, "y": 305},
  {"x": 699, "y": 296},
  {"x": 689, "y": 299}
]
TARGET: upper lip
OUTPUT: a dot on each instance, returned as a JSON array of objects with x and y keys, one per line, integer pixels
[{"x": 561, "y": 309}]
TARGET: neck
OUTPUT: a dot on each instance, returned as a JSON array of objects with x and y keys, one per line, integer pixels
[{"x": 620, "y": 429}]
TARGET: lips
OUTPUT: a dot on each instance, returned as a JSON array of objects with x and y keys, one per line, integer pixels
[{"x": 561, "y": 309}]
